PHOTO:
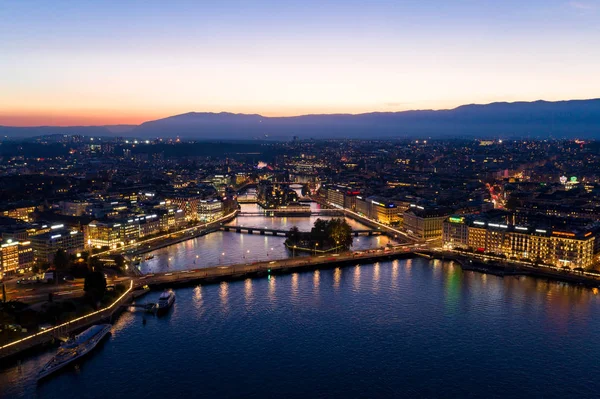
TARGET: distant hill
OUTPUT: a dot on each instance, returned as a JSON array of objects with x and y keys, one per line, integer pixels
[{"x": 561, "y": 119}]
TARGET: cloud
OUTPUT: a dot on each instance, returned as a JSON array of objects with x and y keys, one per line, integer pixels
[{"x": 584, "y": 6}]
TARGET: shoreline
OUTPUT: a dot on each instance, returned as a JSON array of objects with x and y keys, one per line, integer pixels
[{"x": 215, "y": 275}]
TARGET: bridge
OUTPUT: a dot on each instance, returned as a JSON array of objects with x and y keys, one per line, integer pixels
[
  {"x": 279, "y": 232},
  {"x": 280, "y": 266},
  {"x": 291, "y": 212}
]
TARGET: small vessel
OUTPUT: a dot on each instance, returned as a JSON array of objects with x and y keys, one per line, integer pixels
[
  {"x": 165, "y": 301},
  {"x": 75, "y": 348},
  {"x": 149, "y": 257}
]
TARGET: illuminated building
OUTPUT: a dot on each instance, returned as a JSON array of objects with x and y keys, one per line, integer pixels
[
  {"x": 15, "y": 256},
  {"x": 45, "y": 245},
  {"x": 210, "y": 209},
  {"x": 341, "y": 196},
  {"x": 9, "y": 256},
  {"x": 424, "y": 223},
  {"x": 170, "y": 218},
  {"x": 188, "y": 203},
  {"x": 383, "y": 210},
  {"x": 555, "y": 247},
  {"x": 20, "y": 213}
]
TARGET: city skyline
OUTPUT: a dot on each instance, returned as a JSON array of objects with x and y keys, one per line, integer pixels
[{"x": 89, "y": 64}]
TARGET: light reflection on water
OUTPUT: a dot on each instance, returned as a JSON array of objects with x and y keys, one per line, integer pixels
[
  {"x": 225, "y": 248},
  {"x": 427, "y": 330}
]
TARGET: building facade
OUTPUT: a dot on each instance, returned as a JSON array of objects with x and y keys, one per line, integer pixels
[{"x": 576, "y": 248}]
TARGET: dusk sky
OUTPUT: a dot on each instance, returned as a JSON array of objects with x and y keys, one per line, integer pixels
[{"x": 105, "y": 62}]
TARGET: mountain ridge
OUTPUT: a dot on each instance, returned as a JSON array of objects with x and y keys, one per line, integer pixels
[{"x": 540, "y": 118}]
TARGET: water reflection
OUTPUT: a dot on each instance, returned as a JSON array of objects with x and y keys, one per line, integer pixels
[
  {"x": 452, "y": 284},
  {"x": 454, "y": 317},
  {"x": 224, "y": 296},
  {"x": 395, "y": 264},
  {"x": 272, "y": 293},
  {"x": 357, "y": 277},
  {"x": 316, "y": 280},
  {"x": 376, "y": 277},
  {"x": 248, "y": 296},
  {"x": 198, "y": 296},
  {"x": 337, "y": 277},
  {"x": 294, "y": 285}
]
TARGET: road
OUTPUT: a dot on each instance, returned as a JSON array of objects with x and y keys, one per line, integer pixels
[{"x": 38, "y": 292}]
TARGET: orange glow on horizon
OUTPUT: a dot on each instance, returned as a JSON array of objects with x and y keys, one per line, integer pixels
[{"x": 101, "y": 117}]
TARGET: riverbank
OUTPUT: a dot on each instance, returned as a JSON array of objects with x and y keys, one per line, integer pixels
[
  {"x": 501, "y": 269},
  {"x": 64, "y": 330},
  {"x": 172, "y": 238}
]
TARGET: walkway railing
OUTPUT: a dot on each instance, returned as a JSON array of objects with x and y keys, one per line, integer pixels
[{"x": 51, "y": 333}]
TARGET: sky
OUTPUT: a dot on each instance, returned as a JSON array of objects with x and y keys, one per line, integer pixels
[{"x": 125, "y": 62}]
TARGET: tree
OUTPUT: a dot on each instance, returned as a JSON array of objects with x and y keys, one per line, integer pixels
[
  {"x": 119, "y": 262},
  {"x": 61, "y": 260},
  {"x": 305, "y": 190},
  {"x": 95, "y": 286},
  {"x": 339, "y": 233},
  {"x": 294, "y": 235}
]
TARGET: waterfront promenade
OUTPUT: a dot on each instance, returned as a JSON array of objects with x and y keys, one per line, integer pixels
[{"x": 64, "y": 330}]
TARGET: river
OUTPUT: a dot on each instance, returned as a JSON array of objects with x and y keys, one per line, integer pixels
[
  {"x": 224, "y": 248},
  {"x": 404, "y": 328}
]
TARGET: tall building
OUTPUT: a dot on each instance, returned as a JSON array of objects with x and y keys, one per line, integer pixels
[{"x": 15, "y": 256}]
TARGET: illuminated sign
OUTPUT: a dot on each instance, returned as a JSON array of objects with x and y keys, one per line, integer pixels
[
  {"x": 55, "y": 236},
  {"x": 57, "y": 226},
  {"x": 521, "y": 228},
  {"x": 455, "y": 219},
  {"x": 564, "y": 234},
  {"x": 479, "y": 223},
  {"x": 589, "y": 233},
  {"x": 540, "y": 231}
]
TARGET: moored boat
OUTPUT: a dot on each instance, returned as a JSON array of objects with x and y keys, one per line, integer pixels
[
  {"x": 75, "y": 348},
  {"x": 165, "y": 301}
]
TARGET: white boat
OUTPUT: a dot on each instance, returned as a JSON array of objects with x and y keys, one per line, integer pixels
[
  {"x": 165, "y": 301},
  {"x": 75, "y": 348}
]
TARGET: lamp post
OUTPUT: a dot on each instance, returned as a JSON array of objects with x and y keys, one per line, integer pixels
[
  {"x": 337, "y": 247},
  {"x": 294, "y": 252},
  {"x": 316, "y": 245}
]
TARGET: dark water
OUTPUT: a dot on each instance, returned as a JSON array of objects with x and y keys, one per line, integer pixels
[{"x": 409, "y": 328}]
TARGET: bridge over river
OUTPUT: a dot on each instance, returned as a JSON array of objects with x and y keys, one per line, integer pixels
[
  {"x": 278, "y": 232},
  {"x": 243, "y": 270}
]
